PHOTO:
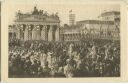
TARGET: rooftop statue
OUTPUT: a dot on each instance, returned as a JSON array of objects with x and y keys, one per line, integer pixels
[
  {"x": 54, "y": 15},
  {"x": 35, "y": 12},
  {"x": 18, "y": 14},
  {"x": 41, "y": 12}
]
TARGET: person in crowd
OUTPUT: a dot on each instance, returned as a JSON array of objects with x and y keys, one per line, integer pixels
[{"x": 64, "y": 59}]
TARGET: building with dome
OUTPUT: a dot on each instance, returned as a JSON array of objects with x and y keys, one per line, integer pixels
[{"x": 106, "y": 27}]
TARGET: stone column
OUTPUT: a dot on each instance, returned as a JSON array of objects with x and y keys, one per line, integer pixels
[
  {"x": 18, "y": 34},
  {"x": 54, "y": 32},
  {"x": 34, "y": 33},
  {"x": 57, "y": 33},
  {"x": 46, "y": 32},
  {"x": 22, "y": 32},
  {"x": 43, "y": 31},
  {"x": 30, "y": 28},
  {"x": 50, "y": 34},
  {"x": 26, "y": 33},
  {"x": 38, "y": 32}
]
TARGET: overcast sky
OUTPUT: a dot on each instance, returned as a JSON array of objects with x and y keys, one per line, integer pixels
[{"x": 83, "y": 11}]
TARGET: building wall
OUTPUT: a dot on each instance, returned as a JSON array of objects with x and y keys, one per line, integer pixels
[
  {"x": 71, "y": 19},
  {"x": 91, "y": 31},
  {"x": 27, "y": 32}
]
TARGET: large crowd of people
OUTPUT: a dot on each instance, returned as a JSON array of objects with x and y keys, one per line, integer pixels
[{"x": 64, "y": 59}]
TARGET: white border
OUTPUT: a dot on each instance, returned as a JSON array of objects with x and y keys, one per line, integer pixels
[{"x": 4, "y": 48}]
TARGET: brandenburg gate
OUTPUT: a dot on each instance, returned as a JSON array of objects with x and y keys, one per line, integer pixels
[{"x": 38, "y": 25}]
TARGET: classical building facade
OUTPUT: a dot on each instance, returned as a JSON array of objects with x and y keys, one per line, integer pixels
[
  {"x": 110, "y": 16},
  {"x": 70, "y": 33},
  {"x": 38, "y": 25},
  {"x": 106, "y": 27},
  {"x": 97, "y": 29}
]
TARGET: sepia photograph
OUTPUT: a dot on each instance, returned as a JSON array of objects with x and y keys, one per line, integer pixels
[{"x": 64, "y": 41}]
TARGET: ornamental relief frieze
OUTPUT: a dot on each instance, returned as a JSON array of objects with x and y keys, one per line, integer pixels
[{"x": 36, "y": 18}]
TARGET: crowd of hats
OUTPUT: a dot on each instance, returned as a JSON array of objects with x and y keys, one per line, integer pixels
[{"x": 64, "y": 59}]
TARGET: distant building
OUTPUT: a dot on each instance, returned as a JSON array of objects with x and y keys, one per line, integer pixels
[
  {"x": 97, "y": 29},
  {"x": 71, "y": 18},
  {"x": 70, "y": 33},
  {"x": 38, "y": 25},
  {"x": 105, "y": 28},
  {"x": 110, "y": 16}
]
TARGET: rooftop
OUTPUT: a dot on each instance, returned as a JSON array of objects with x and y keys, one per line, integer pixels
[
  {"x": 95, "y": 22},
  {"x": 110, "y": 13},
  {"x": 37, "y": 15},
  {"x": 71, "y": 27}
]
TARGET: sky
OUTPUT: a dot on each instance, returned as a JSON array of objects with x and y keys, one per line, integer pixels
[{"x": 83, "y": 11}]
